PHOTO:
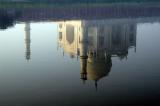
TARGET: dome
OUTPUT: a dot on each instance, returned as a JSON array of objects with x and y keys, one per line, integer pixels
[{"x": 97, "y": 69}]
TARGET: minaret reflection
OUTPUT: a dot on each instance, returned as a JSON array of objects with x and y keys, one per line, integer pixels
[
  {"x": 83, "y": 43},
  {"x": 96, "y": 42},
  {"x": 27, "y": 40}
]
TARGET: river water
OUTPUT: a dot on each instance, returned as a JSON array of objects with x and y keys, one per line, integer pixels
[{"x": 45, "y": 62}]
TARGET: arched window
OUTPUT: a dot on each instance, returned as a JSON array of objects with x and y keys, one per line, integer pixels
[{"x": 70, "y": 33}]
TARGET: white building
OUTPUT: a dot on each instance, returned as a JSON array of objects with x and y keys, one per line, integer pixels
[{"x": 96, "y": 43}]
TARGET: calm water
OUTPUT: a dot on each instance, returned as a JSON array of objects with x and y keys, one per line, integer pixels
[{"x": 79, "y": 62}]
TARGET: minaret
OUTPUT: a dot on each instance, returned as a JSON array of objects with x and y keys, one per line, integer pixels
[
  {"x": 27, "y": 40},
  {"x": 96, "y": 85},
  {"x": 83, "y": 54},
  {"x": 83, "y": 62}
]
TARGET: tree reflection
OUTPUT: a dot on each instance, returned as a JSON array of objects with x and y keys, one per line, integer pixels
[
  {"x": 8, "y": 18},
  {"x": 6, "y": 21}
]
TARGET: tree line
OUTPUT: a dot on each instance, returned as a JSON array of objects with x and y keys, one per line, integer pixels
[{"x": 79, "y": 1}]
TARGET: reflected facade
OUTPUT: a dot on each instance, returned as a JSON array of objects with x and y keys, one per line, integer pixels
[{"x": 96, "y": 43}]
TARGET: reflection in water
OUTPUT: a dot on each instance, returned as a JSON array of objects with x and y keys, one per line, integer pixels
[
  {"x": 83, "y": 12},
  {"x": 5, "y": 21},
  {"x": 27, "y": 40},
  {"x": 96, "y": 43},
  {"x": 8, "y": 17},
  {"x": 99, "y": 42}
]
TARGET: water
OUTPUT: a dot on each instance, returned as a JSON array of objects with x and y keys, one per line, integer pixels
[{"x": 72, "y": 61}]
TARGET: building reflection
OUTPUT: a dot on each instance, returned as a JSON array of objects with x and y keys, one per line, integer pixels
[
  {"x": 96, "y": 43},
  {"x": 27, "y": 41}
]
